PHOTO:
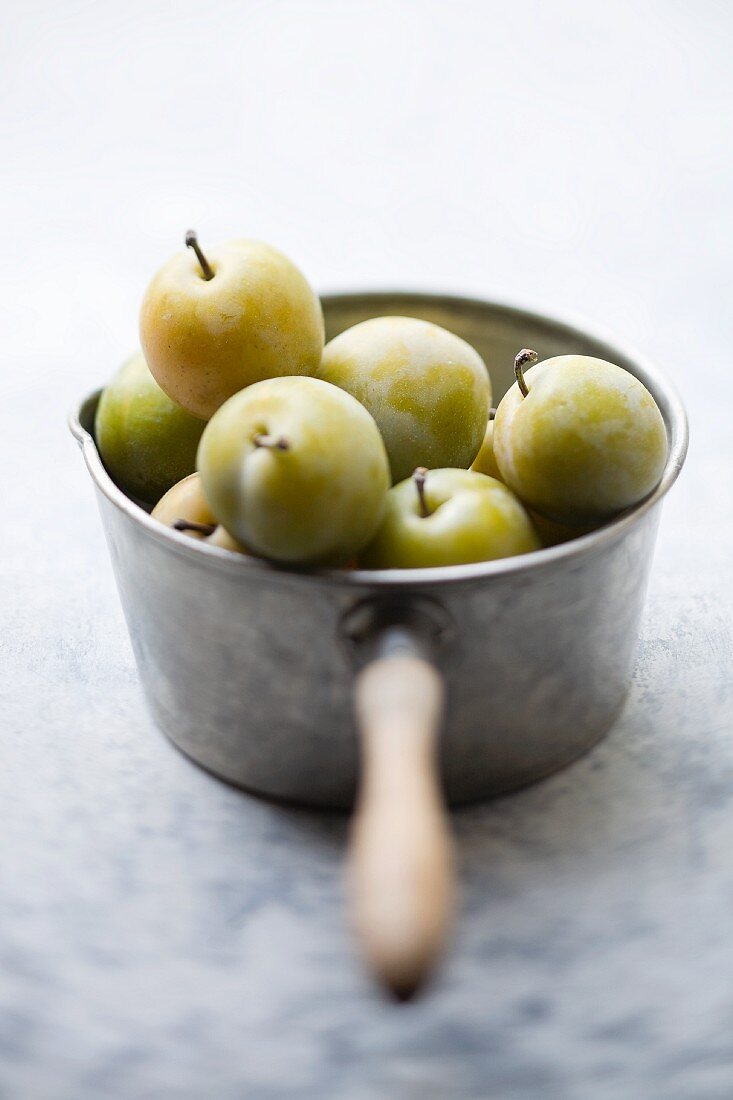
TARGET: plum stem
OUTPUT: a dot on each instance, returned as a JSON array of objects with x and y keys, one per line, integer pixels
[
  {"x": 192, "y": 242},
  {"x": 420, "y": 476},
  {"x": 191, "y": 525},
  {"x": 273, "y": 442},
  {"x": 525, "y": 357}
]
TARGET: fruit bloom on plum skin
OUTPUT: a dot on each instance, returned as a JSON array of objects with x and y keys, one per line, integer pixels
[
  {"x": 586, "y": 442},
  {"x": 428, "y": 390},
  {"x": 295, "y": 469},
  {"x": 551, "y": 532},
  {"x": 205, "y": 339}
]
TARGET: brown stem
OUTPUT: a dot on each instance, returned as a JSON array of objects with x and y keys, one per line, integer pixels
[
  {"x": 525, "y": 357},
  {"x": 273, "y": 442},
  {"x": 191, "y": 525},
  {"x": 420, "y": 476},
  {"x": 192, "y": 242},
  {"x": 492, "y": 414}
]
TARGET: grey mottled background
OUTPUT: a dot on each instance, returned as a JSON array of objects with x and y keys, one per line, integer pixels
[{"x": 162, "y": 936}]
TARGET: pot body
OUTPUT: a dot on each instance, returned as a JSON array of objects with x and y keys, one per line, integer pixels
[{"x": 249, "y": 668}]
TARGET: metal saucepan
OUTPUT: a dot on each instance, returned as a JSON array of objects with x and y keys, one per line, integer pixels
[{"x": 326, "y": 687}]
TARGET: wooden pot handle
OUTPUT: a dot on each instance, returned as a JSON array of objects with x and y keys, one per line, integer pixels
[{"x": 400, "y": 851}]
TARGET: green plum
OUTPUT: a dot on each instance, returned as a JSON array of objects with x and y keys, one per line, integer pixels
[
  {"x": 296, "y": 469},
  {"x": 212, "y": 324},
  {"x": 578, "y": 439},
  {"x": 485, "y": 460},
  {"x": 146, "y": 441},
  {"x": 428, "y": 390},
  {"x": 449, "y": 517},
  {"x": 185, "y": 508},
  {"x": 550, "y": 532}
]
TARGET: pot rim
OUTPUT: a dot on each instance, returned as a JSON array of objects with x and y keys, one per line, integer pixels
[{"x": 394, "y": 579}]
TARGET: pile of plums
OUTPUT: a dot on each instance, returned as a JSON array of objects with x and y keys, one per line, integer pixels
[{"x": 380, "y": 450}]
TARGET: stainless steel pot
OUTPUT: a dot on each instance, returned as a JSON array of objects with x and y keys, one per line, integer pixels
[{"x": 293, "y": 684}]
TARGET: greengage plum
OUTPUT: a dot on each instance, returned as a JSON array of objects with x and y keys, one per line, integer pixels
[
  {"x": 428, "y": 390},
  {"x": 212, "y": 324},
  {"x": 185, "y": 508},
  {"x": 296, "y": 469},
  {"x": 578, "y": 439},
  {"x": 485, "y": 460},
  {"x": 449, "y": 517},
  {"x": 146, "y": 441}
]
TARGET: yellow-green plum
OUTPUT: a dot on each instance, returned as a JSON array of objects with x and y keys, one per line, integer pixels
[
  {"x": 212, "y": 324},
  {"x": 449, "y": 517},
  {"x": 578, "y": 439},
  {"x": 296, "y": 469},
  {"x": 146, "y": 441},
  {"x": 185, "y": 508},
  {"x": 485, "y": 460},
  {"x": 551, "y": 533},
  {"x": 428, "y": 390}
]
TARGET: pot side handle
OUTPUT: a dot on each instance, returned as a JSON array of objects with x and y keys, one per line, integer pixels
[{"x": 400, "y": 858}]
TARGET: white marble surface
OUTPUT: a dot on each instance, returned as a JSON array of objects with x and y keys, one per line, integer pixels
[{"x": 163, "y": 936}]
